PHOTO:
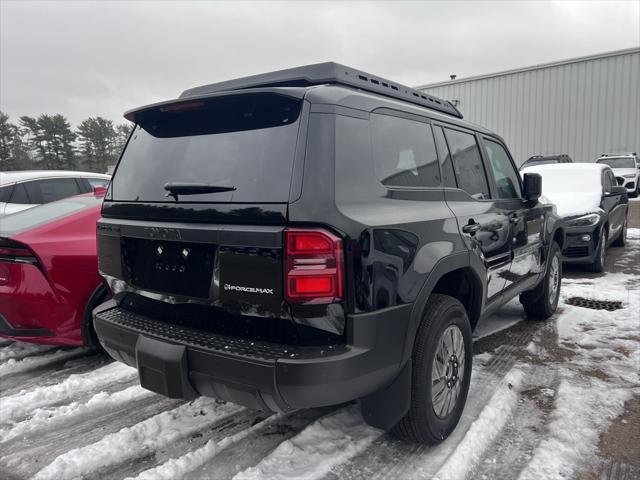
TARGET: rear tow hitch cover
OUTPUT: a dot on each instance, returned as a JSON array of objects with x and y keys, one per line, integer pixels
[{"x": 162, "y": 368}]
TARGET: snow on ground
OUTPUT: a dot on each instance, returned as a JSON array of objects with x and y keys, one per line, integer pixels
[
  {"x": 13, "y": 366},
  {"x": 312, "y": 453},
  {"x": 14, "y": 406},
  {"x": 147, "y": 436},
  {"x": 583, "y": 363}
]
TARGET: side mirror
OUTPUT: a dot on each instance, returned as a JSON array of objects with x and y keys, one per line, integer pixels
[
  {"x": 616, "y": 190},
  {"x": 532, "y": 186}
]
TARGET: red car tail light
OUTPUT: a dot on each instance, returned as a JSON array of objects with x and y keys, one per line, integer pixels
[
  {"x": 11, "y": 251},
  {"x": 313, "y": 266}
]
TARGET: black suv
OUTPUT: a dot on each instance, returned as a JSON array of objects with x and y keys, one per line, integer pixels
[
  {"x": 314, "y": 236},
  {"x": 546, "y": 160}
]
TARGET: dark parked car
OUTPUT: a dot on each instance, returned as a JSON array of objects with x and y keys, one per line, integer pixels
[
  {"x": 314, "y": 236},
  {"x": 546, "y": 160},
  {"x": 594, "y": 208}
]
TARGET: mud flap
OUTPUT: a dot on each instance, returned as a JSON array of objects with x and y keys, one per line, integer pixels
[
  {"x": 385, "y": 408},
  {"x": 162, "y": 368}
]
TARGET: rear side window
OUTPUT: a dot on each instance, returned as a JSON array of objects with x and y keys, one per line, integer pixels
[
  {"x": 20, "y": 195},
  {"x": 98, "y": 182},
  {"x": 467, "y": 164},
  {"x": 243, "y": 141},
  {"x": 446, "y": 166},
  {"x": 5, "y": 193},
  {"x": 404, "y": 152},
  {"x": 52, "y": 189}
]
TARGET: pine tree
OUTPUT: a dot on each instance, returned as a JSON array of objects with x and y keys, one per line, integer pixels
[
  {"x": 13, "y": 155},
  {"x": 51, "y": 139},
  {"x": 98, "y": 140}
]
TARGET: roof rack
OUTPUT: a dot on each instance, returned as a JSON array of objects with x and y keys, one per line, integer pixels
[
  {"x": 330, "y": 72},
  {"x": 628, "y": 154}
]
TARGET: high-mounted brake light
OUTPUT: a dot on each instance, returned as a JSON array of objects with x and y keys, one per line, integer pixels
[
  {"x": 313, "y": 266},
  {"x": 182, "y": 107}
]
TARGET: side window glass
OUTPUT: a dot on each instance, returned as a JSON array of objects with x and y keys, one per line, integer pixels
[
  {"x": 467, "y": 164},
  {"x": 448, "y": 178},
  {"x": 50, "y": 190},
  {"x": 507, "y": 179},
  {"x": 607, "y": 182},
  {"x": 404, "y": 152},
  {"x": 20, "y": 195},
  {"x": 5, "y": 193}
]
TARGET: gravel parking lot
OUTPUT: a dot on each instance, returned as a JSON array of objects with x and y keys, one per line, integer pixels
[{"x": 559, "y": 399}]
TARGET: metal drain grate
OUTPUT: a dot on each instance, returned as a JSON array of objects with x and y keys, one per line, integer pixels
[{"x": 594, "y": 304}]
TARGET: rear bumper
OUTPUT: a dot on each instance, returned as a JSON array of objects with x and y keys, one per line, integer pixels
[{"x": 180, "y": 362}]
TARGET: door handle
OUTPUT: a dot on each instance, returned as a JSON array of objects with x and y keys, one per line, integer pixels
[{"x": 471, "y": 228}]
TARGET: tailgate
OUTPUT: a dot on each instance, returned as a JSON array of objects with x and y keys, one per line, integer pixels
[{"x": 232, "y": 265}]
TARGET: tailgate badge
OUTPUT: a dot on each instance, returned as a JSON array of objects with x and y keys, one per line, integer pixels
[
  {"x": 159, "y": 250},
  {"x": 185, "y": 252}
]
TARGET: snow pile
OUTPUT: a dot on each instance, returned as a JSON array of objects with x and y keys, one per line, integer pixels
[
  {"x": 596, "y": 381},
  {"x": 574, "y": 188},
  {"x": 144, "y": 437},
  {"x": 51, "y": 418},
  {"x": 21, "y": 349},
  {"x": 12, "y": 365},
  {"x": 485, "y": 429},
  {"x": 17, "y": 405},
  {"x": 311, "y": 454}
]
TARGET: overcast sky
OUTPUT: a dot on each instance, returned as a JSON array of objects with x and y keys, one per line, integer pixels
[{"x": 101, "y": 58}]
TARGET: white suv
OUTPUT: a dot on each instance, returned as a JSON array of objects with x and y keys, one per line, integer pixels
[
  {"x": 25, "y": 189},
  {"x": 626, "y": 168}
]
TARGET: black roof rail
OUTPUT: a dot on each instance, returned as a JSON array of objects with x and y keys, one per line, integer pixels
[{"x": 329, "y": 72}]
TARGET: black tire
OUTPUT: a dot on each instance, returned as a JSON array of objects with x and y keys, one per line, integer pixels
[
  {"x": 99, "y": 295},
  {"x": 541, "y": 302},
  {"x": 421, "y": 424},
  {"x": 597, "y": 266},
  {"x": 621, "y": 239}
]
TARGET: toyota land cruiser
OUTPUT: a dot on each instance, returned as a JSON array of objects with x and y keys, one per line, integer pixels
[{"x": 314, "y": 236}]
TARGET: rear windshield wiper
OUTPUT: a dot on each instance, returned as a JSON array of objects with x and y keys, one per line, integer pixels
[{"x": 183, "y": 188}]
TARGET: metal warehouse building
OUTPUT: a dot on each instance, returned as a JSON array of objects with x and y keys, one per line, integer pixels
[{"x": 583, "y": 106}]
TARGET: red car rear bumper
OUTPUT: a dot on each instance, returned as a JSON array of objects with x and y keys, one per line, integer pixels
[{"x": 31, "y": 311}]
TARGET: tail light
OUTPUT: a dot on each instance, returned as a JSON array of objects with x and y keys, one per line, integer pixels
[
  {"x": 313, "y": 266},
  {"x": 13, "y": 252}
]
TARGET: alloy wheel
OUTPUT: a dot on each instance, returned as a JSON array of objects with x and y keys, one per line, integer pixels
[{"x": 447, "y": 371}]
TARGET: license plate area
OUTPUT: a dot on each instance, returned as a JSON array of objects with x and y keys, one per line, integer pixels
[{"x": 173, "y": 267}]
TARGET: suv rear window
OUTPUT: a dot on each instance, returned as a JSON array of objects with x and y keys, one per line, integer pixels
[{"x": 244, "y": 141}]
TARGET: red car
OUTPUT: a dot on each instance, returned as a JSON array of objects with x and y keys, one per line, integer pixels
[{"x": 49, "y": 280}]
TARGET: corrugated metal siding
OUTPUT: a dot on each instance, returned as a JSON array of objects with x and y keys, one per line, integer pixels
[{"x": 583, "y": 108}]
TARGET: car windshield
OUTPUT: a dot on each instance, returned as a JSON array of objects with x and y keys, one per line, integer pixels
[
  {"x": 244, "y": 142},
  {"x": 619, "y": 162},
  {"x": 34, "y": 217}
]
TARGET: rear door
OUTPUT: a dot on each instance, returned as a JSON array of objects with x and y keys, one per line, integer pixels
[
  {"x": 483, "y": 223},
  {"x": 526, "y": 222}
]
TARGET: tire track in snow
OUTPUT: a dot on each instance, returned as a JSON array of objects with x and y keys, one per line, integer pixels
[
  {"x": 389, "y": 457},
  {"x": 180, "y": 466},
  {"x": 15, "y": 366},
  {"x": 254, "y": 447},
  {"x": 12, "y": 407},
  {"x": 484, "y": 430},
  {"x": 140, "y": 439},
  {"x": 64, "y": 415},
  {"x": 329, "y": 441},
  {"x": 26, "y": 456}
]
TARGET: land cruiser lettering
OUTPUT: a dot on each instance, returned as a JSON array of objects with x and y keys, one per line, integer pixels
[{"x": 380, "y": 226}]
